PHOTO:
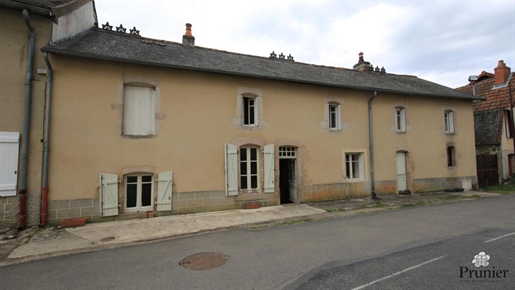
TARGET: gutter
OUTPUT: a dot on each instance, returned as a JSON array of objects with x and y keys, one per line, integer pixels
[
  {"x": 371, "y": 142},
  {"x": 46, "y": 143},
  {"x": 22, "y": 219}
]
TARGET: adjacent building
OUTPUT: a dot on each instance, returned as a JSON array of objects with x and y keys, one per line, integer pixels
[
  {"x": 25, "y": 27},
  {"x": 493, "y": 123}
]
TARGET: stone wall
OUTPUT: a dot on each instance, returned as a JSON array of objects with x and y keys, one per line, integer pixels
[
  {"x": 182, "y": 203},
  {"x": 9, "y": 208}
]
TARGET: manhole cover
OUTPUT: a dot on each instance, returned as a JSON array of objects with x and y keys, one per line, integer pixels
[
  {"x": 107, "y": 239},
  {"x": 204, "y": 261}
]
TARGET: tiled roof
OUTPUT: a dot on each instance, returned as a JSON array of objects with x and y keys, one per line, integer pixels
[
  {"x": 495, "y": 98},
  {"x": 487, "y": 127},
  {"x": 123, "y": 47}
]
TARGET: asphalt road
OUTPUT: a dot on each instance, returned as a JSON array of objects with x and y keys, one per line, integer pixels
[{"x": 418, "y": 248}]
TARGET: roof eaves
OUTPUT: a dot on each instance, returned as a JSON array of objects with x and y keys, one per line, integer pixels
[
  {"x": 31, "y": 8},
  {"x": 362, "y": 88}
]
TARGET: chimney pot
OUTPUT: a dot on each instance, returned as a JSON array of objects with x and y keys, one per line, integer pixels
[
  {"x": 502, "y": 72},
  {"x": 188, "y": 38},
  {"x": 362, "y": 65}
]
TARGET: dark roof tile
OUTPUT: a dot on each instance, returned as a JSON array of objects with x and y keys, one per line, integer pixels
[{"x": 122, "y": 47}]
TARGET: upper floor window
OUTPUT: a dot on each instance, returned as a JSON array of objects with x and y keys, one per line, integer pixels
[
  {"x": 449, "y": 121},
  {"x": 250, "y": 111},
  {"x": 400, "y": 119},
  {"x": 334, "y": 118},
  {"x": 508, "y": 120},
  {"x": 139, "y": 111}
]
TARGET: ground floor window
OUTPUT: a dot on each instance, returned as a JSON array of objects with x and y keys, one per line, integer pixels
[
  {"x": 354, "y": 166},
  {"x": 451, "y": 156},
  {"x": 249, "y": 168},
  {"x": 138, "y": 191}
]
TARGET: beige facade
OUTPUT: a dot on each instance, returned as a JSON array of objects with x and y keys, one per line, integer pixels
[{"x": 196, "y": 113}]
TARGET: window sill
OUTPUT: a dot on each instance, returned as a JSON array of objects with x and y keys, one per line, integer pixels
[
  {"x": 138, "y": 136},
  {"x": 354, "y": 180},
  {"x": 400, "y": 132}
]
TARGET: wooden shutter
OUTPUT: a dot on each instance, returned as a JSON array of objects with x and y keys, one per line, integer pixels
[
  {"x": 269, "y": 168},
  {"x": 164, "y": 191},
  {"x": 108, "y": 194},
  {"x": 9, "y": 146},
  {"x": 231, "y": 169},
  {"x": 138, "y": 111}
]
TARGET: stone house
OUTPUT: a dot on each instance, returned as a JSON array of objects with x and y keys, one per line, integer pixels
[{"x": 493, "y": 123}]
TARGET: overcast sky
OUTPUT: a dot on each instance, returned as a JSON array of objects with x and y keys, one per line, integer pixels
[{"x": 440, "y": 41}]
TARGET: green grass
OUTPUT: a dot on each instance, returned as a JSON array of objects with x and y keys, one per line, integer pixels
[
  {"x": 504, "y": 189},
  {"x": 293, "y": 222},
  {"x": 450, "y": 197},
  {"x": 334, "y": 209}
]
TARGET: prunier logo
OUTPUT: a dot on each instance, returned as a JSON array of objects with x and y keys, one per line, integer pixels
[{"x": 481, "y": 260}]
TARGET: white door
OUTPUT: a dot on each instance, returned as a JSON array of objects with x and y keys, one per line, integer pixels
[
  {"x": 401, "y": 171},
  {"x": 293, "y": 181}
]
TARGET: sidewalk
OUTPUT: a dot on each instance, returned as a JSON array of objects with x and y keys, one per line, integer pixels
[{"x": 38, "y": 243}]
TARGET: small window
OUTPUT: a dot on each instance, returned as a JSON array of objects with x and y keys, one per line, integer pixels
[
  {"x": 138, "y": 111},
  {"x": 449, "y": 121},
  {"x": 354, "y": 166},
  {"x": 250, "y": 112},
  {"x": 508, "y": 120},
  {"x": 249, "y": 168},
  {"x": 334, "y": 116},
  {"x": 400, "y": 119},
  {"x": 138, "y": 192},
  {"x": 451, "y": 156}
]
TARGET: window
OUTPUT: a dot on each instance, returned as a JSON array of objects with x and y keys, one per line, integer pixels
[
  {"x": 508, "y": 120},
  {"x": 334, "y": 116},
  {"x": 451, "y": 156},
  {"x": 400, "y": 119},
  {"x": 249, "y": 168},
  {"x": 250, "y": 112},
  {"x": 138, "y": 111},
  {"x": 449, "y": 121},
  {"x": 138, "y": 191},
  {"x": 243, "y": 169},
  {"x": 354, "y": 166}
]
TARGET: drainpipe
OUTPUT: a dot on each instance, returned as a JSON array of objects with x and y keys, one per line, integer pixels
[
  {"x": 371, "y": 141},
  {"x": 22, "y": 220},
  {"x": 46, "y": 143}
]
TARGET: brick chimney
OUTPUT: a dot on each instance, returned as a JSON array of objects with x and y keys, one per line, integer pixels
[
  {"x": 188, "y": 38},
  {"x": 501, "y": 73},
  {"x": 362, "y": 65}
]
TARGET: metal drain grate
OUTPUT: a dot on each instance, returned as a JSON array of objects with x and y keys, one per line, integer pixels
[
  {"x": 204, "y": 261},
  {"x": 108, "y": 239}
]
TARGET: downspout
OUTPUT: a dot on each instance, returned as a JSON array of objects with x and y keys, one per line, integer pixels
[
  {"x": 46, "y": 143},
  {"x": 22, "y": 219},
  {"x": 371, "y": 141}
]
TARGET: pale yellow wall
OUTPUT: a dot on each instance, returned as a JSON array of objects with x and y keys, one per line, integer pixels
[
  {"x": 196, "y": 114},
  {"x": 425, "y": 139},
  {"x": 13, "y": 56}
]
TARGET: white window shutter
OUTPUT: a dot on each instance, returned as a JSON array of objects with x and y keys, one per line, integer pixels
[
  {"x": 231, "y": 169},
  {"x": 269, "y": 168},
  {"x": 451, "y": 122},
  {"x": 9, "y": 146},
  {"x": 164, "y": 191},
  {"x": 108, "y": 194}
]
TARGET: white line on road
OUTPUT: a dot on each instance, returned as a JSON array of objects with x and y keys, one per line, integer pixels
[
  {"x": 499, "y": 238},
  {"x": 395, "y": 274}
]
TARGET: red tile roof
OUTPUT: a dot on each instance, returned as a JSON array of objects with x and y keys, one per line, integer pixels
[{"x": 495, "y": 98}]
